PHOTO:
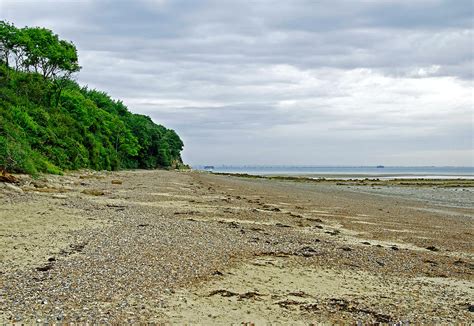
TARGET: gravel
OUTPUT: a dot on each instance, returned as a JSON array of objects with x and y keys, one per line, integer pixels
[{"x": 156, "y": 232}]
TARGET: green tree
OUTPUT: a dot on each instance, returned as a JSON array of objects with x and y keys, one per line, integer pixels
[{"x": 49, "y": 123}]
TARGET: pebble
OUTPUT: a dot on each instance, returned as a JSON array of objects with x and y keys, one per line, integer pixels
[{"x": 125, "y": 266}]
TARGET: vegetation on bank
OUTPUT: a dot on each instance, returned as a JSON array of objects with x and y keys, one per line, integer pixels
[{"x": 49, "y": 123}]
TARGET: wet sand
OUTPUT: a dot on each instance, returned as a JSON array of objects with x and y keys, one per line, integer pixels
[{"x": 190, "y": 247}]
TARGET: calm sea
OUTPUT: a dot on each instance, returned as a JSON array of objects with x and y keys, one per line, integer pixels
[{"x": 349, "y": 171}]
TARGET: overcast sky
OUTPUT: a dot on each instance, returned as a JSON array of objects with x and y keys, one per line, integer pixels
[{"x": 282, "y": 82}]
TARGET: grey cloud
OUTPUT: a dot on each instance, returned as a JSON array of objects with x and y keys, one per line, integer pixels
[{"x": 304, "y": 76}]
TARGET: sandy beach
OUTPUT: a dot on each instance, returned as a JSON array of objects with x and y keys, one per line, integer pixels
[{"x": 197, "y": 248}]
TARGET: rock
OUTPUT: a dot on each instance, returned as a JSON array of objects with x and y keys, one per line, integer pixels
[
  {"x": 432, "y": 248},
  {"x": 223, "y": 293},
  {"x": 7, "y": 177},
  {"x": 318, "y": 220},
  {"x": 470, "y": 308},
  {"x": 44, "y": 268},
  {"x": 13, "y": 188},
  {"x": 78, "y": 247},
  {"x": 300, "y": 294},
  {"x": 249, "y": 295},
  {"x": 271, "y": 208},
  {"x": 39, "y": 184},
  {"x": 233, "y": 224},
  {"x": 288, "y": 303},
  {"x": 93, "y": 192},
  {"x": 346, "y": 248},
  {"x": 295, "y": 215},
  {"x": 306, "y": 252},
  {"x": 186, "y": 213}
]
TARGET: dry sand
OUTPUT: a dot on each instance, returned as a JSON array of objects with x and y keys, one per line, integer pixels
[{"x": 190, "y": 247}]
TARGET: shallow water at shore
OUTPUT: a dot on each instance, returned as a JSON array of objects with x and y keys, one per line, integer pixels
[{"x": 350, "y": 172}]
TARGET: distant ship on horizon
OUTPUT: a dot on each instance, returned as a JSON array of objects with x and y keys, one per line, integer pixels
[{"x": 380, "y": 166}]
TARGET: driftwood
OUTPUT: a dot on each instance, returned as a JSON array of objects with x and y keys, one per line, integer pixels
[{"x": 7, "y": 177}]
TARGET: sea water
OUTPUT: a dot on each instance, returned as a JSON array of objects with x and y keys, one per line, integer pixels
[{"x": 386, "y": 172}]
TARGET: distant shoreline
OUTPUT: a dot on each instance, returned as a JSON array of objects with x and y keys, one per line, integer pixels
[
  {"x": 348, "y": 172},
  {"x": 442, "y": 181},
  {"x": 349, "y": 176}
]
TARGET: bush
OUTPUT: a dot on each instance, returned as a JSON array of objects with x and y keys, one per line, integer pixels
[{"x": 76, "y": 133}]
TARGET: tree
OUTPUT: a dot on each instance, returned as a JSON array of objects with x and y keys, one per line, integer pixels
[
  {"x": 11, "y": 45},
  {"x": 48, "y": 55},
  {"x": 37, "y": 49}
]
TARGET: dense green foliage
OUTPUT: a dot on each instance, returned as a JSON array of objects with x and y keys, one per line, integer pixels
[{"x": 49, "y": 123}]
